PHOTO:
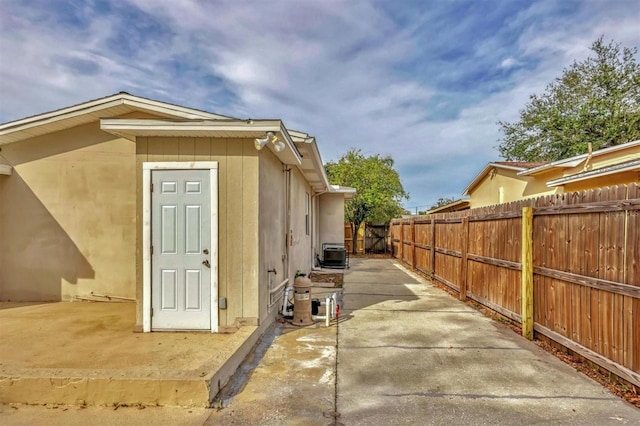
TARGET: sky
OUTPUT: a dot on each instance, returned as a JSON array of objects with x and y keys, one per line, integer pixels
[{"x": 424, "y": 81}]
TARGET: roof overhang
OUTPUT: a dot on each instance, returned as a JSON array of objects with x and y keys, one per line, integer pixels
[
  {"x": 313, "y": 169},
  {"x": 87, "y": 112},
  {"x": 311, "y": 166},
  {"x": 486, "y": 171},
  {"x": 627, "y": 166},
  {"x": 228, "y": 128},
  {"x": 347, "y": 191},
  {"x": 5, "y": 169},
  {"x": 458, "y": 204}
]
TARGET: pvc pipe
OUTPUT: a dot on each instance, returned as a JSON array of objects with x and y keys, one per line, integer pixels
[
  {"x": 327, "y": 311},
  {"x": 285, "y": 312},
  {"x": 279, "y": 286}
]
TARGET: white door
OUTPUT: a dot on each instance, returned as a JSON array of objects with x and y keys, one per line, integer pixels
[{"x": 181, "y": 250}]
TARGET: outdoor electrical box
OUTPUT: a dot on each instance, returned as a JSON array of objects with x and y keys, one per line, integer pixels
[{"x": 334, "y": 256}]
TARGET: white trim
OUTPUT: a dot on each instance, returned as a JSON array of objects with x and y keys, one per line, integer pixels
[
  {"x": 147, "y": 167},
  {"x": 131, "y": 128},
  {"x": 146, "y": 248},
  {"x": 576, "y": 160},
  {"x": 5, "y": 169},
  {"x": 104, "y": 103},
  {"x": 592, "y": 174},
  {"x": 213, "y": 185},
  {"x": 142, "y": 126}
]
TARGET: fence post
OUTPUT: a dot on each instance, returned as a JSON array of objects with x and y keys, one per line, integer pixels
[
  {"x": 413, "y": 243},
  {"x": 433, "y": 246},
  {"x": 401, "y": 245},
  {"x": 527, "y": 272},
  {"x": 463, "y": 267}
]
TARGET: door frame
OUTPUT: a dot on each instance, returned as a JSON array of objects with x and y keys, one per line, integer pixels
[{"x": 147, "y": 168}]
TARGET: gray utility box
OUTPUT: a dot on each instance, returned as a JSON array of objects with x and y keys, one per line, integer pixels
[{"x": 334, "y": 256}]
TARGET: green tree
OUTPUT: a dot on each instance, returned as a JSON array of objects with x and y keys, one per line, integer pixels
[
  {"x": 596, "y": 100},
  {"x": 379, "y": 191}
]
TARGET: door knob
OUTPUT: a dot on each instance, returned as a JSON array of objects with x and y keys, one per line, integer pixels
[{"x": 206, "y": 263}]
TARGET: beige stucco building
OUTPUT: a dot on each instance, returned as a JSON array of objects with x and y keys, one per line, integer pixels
[
  {"x": 503, "y": 182},
  {"x": 171, "y": 206}
]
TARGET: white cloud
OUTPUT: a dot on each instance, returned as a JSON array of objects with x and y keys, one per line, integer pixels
[
  {"x": 351, "y": 73},
  {"x": 508, "y": 63}
]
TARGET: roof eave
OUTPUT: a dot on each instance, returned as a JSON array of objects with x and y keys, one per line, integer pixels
[
  {"x": 593, "y": 174},
  {"x": 15, "y": 131},
  {"x": 447, "y": 206},
  {"x": 576, "y": 160},
  {"x": 133, "y": 128},
  {"x": 484, "y": 172}
]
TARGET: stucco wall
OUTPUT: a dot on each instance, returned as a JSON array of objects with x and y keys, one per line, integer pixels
[
  {"x": 299, "y": 239},
  {"x": 514, "y": 188},
  {"x": 331, "y": 219},
  {"x": 68, "y": 216},
  {"x": 272, "y": 232},
  {"x": 238, "y": 202}
]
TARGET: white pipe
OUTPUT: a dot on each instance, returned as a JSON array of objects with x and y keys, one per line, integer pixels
[
  {"x": 285, "y": 311},
  {"x": 279, "y": 286},
  {"x": 327, "y": 312},
  {"x": 330, "y": 311}
]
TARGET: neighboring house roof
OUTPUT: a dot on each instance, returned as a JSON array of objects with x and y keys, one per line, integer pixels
[
  {"x": 518, "y": 166},
  {"x": 454, "y": 206},
  {"x": 576, "y": 160}
]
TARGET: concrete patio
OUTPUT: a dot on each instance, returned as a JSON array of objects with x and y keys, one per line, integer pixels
[{"x": 86, "y": 353}]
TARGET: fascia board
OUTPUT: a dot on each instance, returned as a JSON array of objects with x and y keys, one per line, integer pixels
[
  {"x": 609, "y": 170},
  {"x": 97, "y": 105}
]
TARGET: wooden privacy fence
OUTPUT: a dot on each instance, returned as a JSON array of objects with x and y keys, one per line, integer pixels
[{"x": 580, "y": 285}]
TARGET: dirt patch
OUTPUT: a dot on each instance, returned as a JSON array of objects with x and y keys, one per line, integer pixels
[
  {"x": 371, "y": 256},
  {"x": 335, "y": 278}
]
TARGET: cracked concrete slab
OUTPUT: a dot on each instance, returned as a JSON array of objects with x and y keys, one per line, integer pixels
[{"x": 411, "y": 354}]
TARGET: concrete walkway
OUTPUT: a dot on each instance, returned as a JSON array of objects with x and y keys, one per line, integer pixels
[
  {"x": 411, "y": 354},
  {"x": 406, "y": 352}
]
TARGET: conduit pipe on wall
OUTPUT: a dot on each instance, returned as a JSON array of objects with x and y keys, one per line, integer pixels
[
  {"x": 287, "y": 219},
  {"x": 315, "y": 227}
]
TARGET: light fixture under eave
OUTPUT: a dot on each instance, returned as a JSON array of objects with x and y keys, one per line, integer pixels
[
  {"x": 278, "y": 145},
  {"x": 260, "y": 143}
]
